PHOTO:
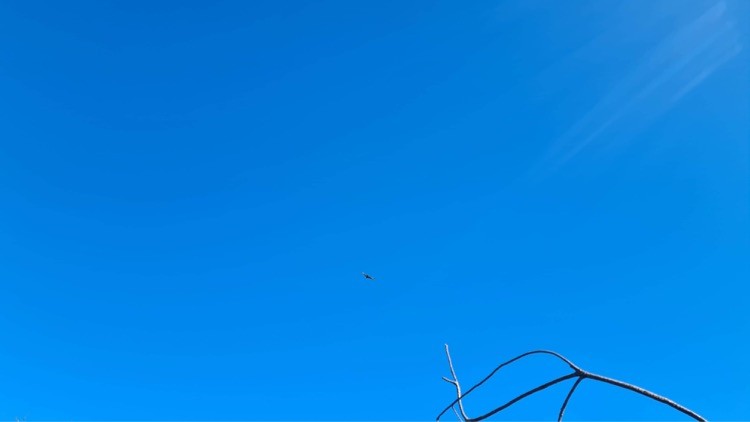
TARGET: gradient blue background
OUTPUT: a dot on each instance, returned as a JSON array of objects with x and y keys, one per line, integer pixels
[{"x": 190, "y": 190}]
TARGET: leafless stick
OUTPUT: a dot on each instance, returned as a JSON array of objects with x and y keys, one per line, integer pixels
[
  {"x": 577, "y": 372},
  {"x": 646, "y": 393},
  {"x": 457, "y": 385},
  {"x": 506, "y": 363},
  {"x": 567, "y": 399},
  {"x": 524, "y": 395},
  {"x": 457, "y": 415}
]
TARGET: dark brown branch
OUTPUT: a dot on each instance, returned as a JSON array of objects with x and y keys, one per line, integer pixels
[
  {"x": 506, "y": 363},
  {"x": 577, "y": 372},
  {"x": 567, "y": 399},
  {"x": 649, "y": 394},
  {"x": 524, "y": 395}
]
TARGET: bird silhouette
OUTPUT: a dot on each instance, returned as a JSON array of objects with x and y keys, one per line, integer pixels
[{"x": 368, "y": 276}]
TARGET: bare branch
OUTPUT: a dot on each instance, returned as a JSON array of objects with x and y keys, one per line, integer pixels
[
  {"x": 567, "y": 399},
  {"x": 458, "y": 387},
  {"x": 524, "y": 395},
  {"x": 646, "y": 393},
  {"x": 457, "y": 415},
  {"x": 577, "y": 372},
  {"x": 506, "y": 363}
]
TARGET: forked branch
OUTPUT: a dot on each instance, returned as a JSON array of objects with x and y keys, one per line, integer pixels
[
  {"x": 577, "y": 373},
  {"x": 567, "y": 399},
  {"x": 461, "y": 414}
]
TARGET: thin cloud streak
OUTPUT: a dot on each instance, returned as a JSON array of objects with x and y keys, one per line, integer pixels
[
  {"x": 692, "y": 84},
  {"x": 674, "y": 68}
]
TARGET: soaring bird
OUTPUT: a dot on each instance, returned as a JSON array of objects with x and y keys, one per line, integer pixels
[{"x": 368, "y": 276}]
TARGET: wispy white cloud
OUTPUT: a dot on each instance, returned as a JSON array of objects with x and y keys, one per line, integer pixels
[
  {"x": 708, "y": 71},
  {"x": 676, "y": 66}
]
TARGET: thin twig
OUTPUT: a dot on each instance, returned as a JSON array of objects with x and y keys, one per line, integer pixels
[
  {"x": 457, "y": 385},
  {"x": 524, "y": 395},
  {"x": 567, "y": 399},
  {"x": 457, "y": 415},
  {"x": 577, "y": 372},
  {"x": 506, "y": 363}
]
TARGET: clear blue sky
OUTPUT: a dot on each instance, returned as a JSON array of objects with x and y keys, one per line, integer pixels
[{"x": 190, "y": 191}]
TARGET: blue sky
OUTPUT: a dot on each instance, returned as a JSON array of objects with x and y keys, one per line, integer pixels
[{"x": 190, "y": 191}]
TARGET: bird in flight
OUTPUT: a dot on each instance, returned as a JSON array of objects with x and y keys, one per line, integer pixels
[{"x": 368, "y": 276}]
